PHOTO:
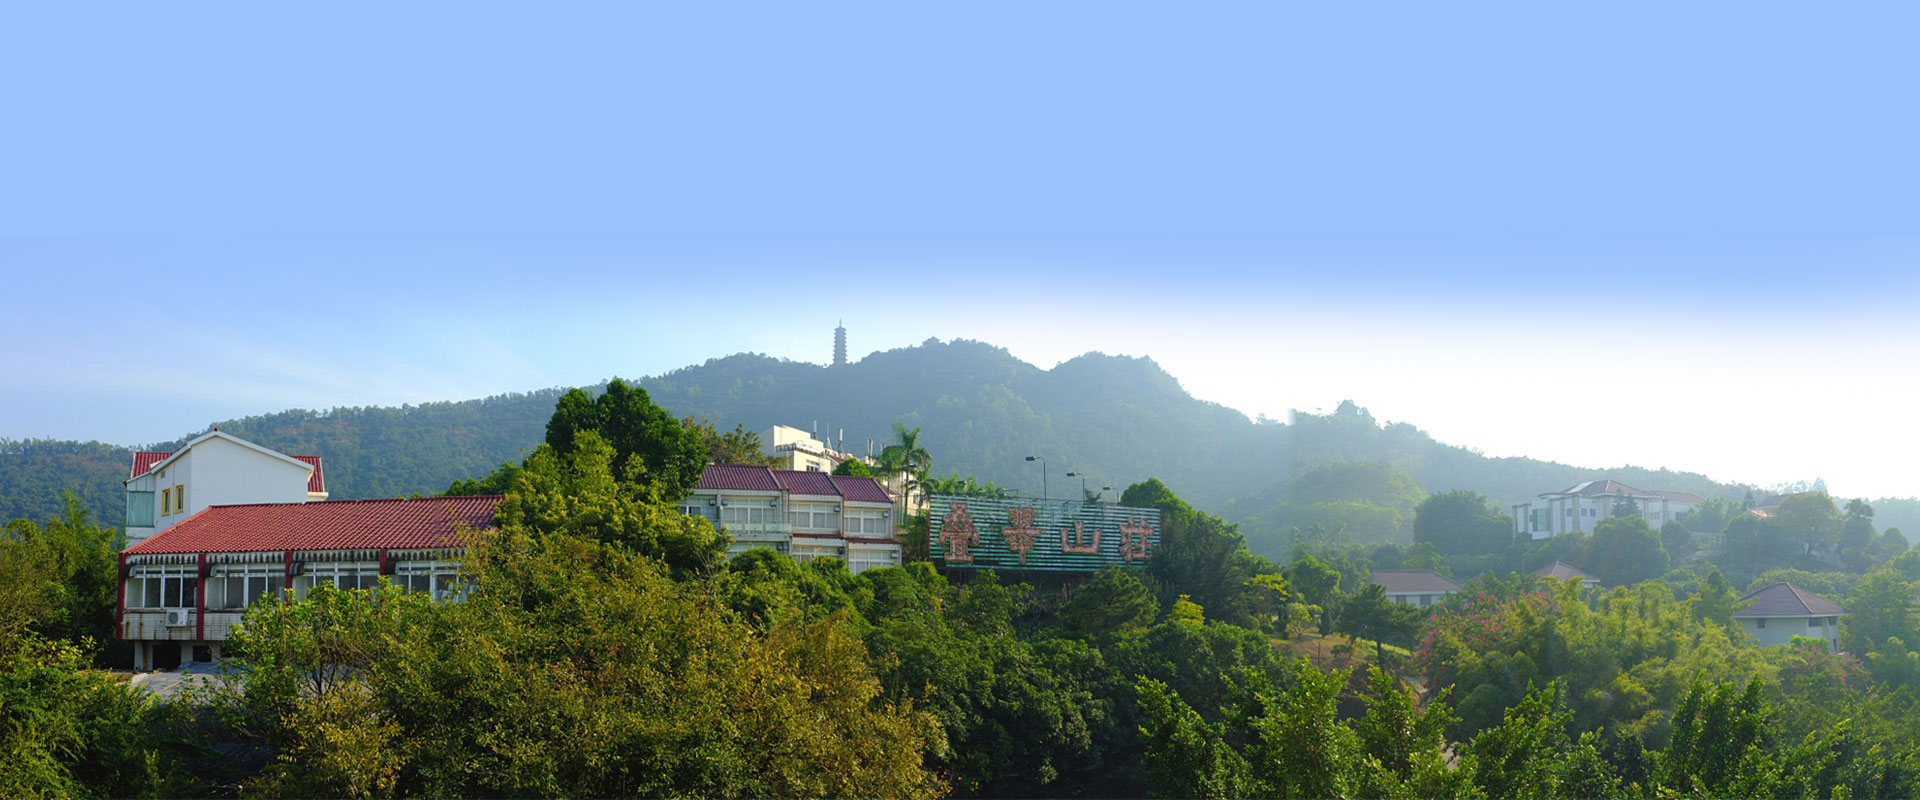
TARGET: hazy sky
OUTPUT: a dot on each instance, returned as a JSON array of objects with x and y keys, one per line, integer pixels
[{"x": 1678, "y": 237}]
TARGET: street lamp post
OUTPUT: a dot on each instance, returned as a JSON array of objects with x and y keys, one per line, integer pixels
[
  {"x": 1043, "y": 475},
  {"x": 1083, "y": 483}
]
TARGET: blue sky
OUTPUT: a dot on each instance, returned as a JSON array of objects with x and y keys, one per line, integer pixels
[{"x": 1440, "y": 212}]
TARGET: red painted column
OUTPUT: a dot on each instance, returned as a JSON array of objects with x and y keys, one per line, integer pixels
[
  {"x": 200, "y": 602},
  {"x": 120, "y": 609},
  {"x": 287, "y": 587}
]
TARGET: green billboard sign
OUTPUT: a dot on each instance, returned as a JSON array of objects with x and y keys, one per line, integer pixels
[{"x": 1057, "y": 535}]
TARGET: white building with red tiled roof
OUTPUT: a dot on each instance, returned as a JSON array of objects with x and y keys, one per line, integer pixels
[
  {"x": 1578, "y": 508},
  {"x": 215, "y": 469},
  {"x": 182, "y": 590},
  {"x": 802, "y": 513}
]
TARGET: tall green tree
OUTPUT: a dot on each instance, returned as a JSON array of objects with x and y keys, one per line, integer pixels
[
  {"x": 1857, "y": 533},
  {"x": 1720, "y": 742},
  {"x": 61, "y": 579},
  {"x": 1185, "y": 755},
  {"x": 67, "y": 730},
  {"x": 1523, "y": 756},
  {"x": 737, "y": 446},
  {"x": 1200, "y": 555},
  {"x": 1625, "y": 550},
  {"x": 1115, "y": 601},
  {"x": 1881, "y": 607},
  {"x": 1368, "y": 614},
  {"x": 1462, "y": 523},
  {"x": 578, "y": 492},
  {"x": 650, "y": 446},
  {"x": 1809, "y": 520},
  {"x": 1715, "y": 600}
]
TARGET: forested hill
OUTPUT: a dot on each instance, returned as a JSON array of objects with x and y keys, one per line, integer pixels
[{"x": 982, "y": 412}]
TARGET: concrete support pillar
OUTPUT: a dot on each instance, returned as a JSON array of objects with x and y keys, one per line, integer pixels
[
  {"x": 215, "y": 647},
  {"x": 143, "y": 656}
]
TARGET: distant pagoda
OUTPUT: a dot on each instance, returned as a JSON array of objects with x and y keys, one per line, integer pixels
[{"x": 840, "y": 346}]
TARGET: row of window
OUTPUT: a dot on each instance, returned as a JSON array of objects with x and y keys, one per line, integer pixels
[
  {"x": 1812, "y": 622},
  {"x": 809, "y": 516},
  {"x": 174, "y": 500},
  {"x": 233, "y": 588}
]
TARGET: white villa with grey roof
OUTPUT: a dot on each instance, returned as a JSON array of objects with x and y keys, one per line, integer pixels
[
  {"x": 1777, "y": 612},
  {"x": 1578, "y": 508}
]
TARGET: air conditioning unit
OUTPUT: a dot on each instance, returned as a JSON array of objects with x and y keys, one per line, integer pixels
[{"x": 176, "y": 618}]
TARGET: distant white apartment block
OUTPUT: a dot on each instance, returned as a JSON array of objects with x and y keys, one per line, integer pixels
[
  {"x": 1578, "y": 508},
  {"x": 215, "y": 469},
  {"x": 800, "y": 450}
]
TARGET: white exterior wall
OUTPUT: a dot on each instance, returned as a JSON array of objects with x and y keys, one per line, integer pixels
[
  {"x": 1421, "y": 599},
  {"x": 775, "y": 534},
  {"x": 228, "y": 474},
  {"x": 1781, "y": 630},
  {"x": 1575, "y": 514},
  {"x": 216, "y": 472},
  {"x": 805, "y": 540}
]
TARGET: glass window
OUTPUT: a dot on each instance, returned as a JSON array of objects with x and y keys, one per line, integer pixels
[
  {"x": 1760, "y": 623},
  {"x": 440, "y": 579},
  {"x": 339, "y": 575},
  {"x": 236, "y": 587},
  {"x": 139, "y": 509}
]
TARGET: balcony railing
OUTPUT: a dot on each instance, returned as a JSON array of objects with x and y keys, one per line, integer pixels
[{"x": 758, "y": 527}]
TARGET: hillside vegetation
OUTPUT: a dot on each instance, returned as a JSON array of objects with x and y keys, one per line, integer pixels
[{"x": 1117, "y": 419}]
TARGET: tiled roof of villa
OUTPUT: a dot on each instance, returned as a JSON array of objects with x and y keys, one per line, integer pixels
[
  {"x": 1414, "y": 580},
  {"x": 330, "y": 525},
  {"x": 1563, "y": 572},
  {"x": 1784, "y": 599}
]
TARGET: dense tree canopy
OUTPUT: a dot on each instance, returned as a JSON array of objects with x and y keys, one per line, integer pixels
[
  {"x": 1462, "y": 523},
  {"x": 649, "y": 445},
  {"x": 1625, "y": 550}
]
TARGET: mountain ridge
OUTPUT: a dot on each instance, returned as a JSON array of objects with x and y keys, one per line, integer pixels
[{"x": 1118, "y": 419}]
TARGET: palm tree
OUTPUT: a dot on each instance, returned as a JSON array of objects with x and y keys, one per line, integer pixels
[{"x": 907, "y": 460}]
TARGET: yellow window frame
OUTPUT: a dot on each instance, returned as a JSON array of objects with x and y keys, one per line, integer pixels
[{"x": 180, "y": 498}]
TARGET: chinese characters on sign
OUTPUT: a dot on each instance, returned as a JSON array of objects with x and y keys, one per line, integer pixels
[
  {"x": 960, "y": 535},
  {"x": 1020, "y": 532},
  {"x": 985, "y": 533}
]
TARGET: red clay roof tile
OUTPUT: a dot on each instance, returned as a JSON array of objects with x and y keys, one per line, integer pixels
[
  {"x": 315, "y": 483},
  {"x": 738, "y": 477},
  {"x": 144, "y": 460},
  {"x": 806, "y": 482},
  {"x": 862, "y": 490},
  {"x": 330, "y": 525}
]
